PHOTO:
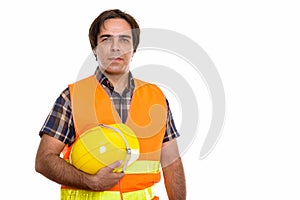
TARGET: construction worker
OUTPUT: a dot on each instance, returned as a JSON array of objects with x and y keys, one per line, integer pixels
[{"x": 112, "y": 96}]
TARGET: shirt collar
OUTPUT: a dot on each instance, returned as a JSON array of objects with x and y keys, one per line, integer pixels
[{"x": 103, "y": 80}]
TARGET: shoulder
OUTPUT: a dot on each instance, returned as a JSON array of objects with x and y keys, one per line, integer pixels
[
  {"x": 83, "y": 80},
  {"x": 140, "y": 83},
  {"x": 64, "y": 97},
  {"x": 149, "y": 89},
  {"x": 83, "y": 83}
]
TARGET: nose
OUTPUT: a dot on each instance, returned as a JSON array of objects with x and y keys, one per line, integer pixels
[{"x": 115, "y": 46}]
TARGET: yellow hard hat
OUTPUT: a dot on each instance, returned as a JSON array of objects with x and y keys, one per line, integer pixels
[{"x": 102, "y": 145}]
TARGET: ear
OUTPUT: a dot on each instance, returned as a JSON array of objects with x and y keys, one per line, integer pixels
[
  {"x": 94, "y": 52},
  {"x": 132, "y": 56}
]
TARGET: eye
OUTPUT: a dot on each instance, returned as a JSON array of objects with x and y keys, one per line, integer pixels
[
  {"x": 124, "y": 39},
  {"x": 106, "y": 39}
]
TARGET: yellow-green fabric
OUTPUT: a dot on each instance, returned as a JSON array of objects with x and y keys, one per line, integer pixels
[
  {"x": 143, "y": 167},
  {"x": 70, "y": 194}
]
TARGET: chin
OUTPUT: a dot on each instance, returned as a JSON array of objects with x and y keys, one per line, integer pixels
[{"x": 116, "y": 70}]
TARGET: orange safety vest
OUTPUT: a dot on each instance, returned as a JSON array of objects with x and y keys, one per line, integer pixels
[{"x": 147, "y": 116}]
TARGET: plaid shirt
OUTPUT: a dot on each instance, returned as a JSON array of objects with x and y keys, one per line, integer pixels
[{"x": 59, "y": 123}]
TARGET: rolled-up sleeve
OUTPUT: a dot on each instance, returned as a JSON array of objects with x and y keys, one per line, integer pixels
[
  {"x": 171, "y": 131},
  {"x": 59, "y": 123}
]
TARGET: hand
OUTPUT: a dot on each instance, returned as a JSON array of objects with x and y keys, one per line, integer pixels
[{"x": 105, "y": 178}]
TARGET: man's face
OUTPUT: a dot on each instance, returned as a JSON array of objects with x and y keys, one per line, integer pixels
[{"x": 115, "y": 46}]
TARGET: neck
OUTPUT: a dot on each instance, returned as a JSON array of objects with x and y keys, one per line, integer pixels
[{"x": 120, "y": 82}]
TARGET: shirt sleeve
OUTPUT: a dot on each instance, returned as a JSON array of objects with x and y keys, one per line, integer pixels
[
  {"x": 171, "y": 131},
  {"x": 59, "y": 123}
]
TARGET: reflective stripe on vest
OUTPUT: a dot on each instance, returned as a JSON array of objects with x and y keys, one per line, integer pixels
[
  {"x": 143, "y": 167},
  {"x": 71, "y": 194}
]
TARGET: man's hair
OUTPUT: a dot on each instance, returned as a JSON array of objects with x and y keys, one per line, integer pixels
[{"x": 112, "y": 14}]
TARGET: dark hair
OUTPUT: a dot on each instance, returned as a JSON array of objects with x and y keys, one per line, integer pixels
[{"x": 111, "y": 14}]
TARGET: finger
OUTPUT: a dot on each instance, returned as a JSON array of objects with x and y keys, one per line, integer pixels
[
  {"x": 114, "y": 165},
  {"x": 118, "y": 175}
]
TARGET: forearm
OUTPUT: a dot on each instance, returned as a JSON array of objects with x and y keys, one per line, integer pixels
[
  {"x": 61, "y": 172},
  {"x": 51, "y": 165},
  {"x": 175, "y": 180}
]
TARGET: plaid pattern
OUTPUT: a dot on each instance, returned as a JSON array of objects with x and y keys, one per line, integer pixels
[
  {"x": 59, "y": 123},
  {"x": 121, "y": 102}
]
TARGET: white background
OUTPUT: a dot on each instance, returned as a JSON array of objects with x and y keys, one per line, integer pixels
[{"x": 254, "y": 45}]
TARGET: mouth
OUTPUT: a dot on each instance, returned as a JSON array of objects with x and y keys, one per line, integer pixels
[{"x": 112, "y": 59}]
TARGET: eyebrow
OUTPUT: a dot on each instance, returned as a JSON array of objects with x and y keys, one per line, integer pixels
[{"x": 108, "y": 35}]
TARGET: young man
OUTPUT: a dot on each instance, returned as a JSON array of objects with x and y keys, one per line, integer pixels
[{"x": 115, "y": 97}]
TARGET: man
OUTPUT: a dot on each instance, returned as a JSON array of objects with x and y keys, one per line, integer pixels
[{"x": 118, "y": 98}]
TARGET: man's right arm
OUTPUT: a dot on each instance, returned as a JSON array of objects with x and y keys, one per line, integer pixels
[{"x": 49, "y": 163}]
